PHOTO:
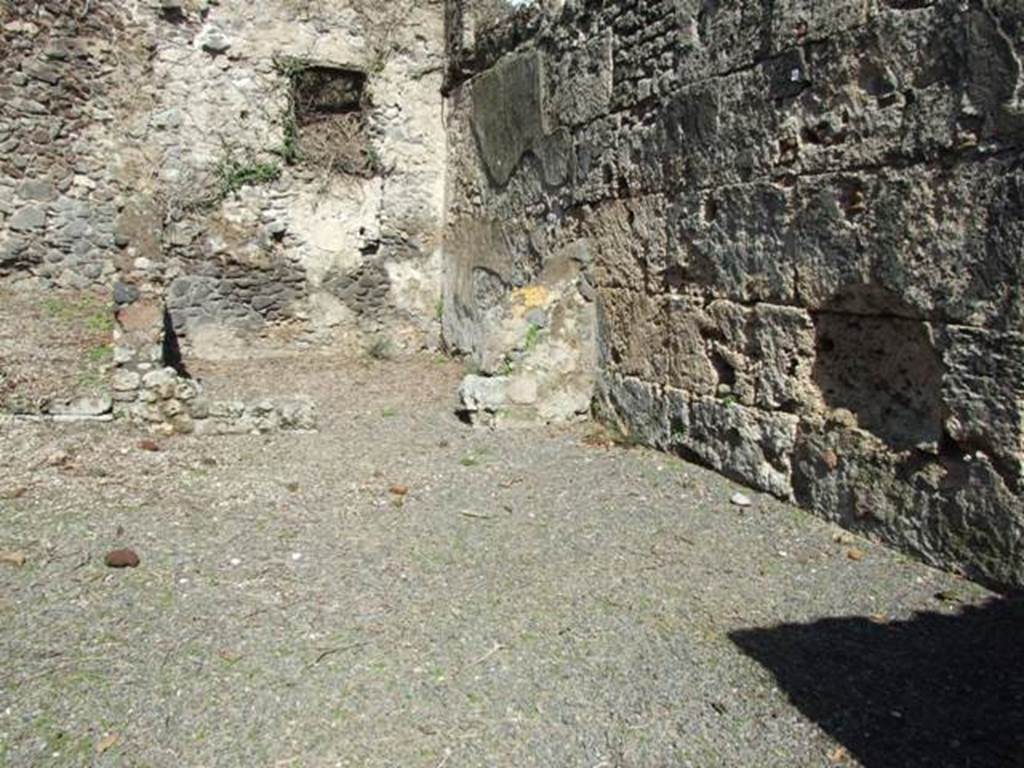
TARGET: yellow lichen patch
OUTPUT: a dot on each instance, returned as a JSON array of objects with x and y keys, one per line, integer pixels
[{"x": 531, "y": 296}]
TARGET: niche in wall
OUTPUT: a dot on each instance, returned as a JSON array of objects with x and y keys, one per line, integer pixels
[
  {"x": 327, "y": 127},
  {"x": 876, "y": 361}
]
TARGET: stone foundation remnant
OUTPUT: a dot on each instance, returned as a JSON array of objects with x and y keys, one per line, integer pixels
[
  {"x": 804, "y": 228},
  {"x": 151, "y": 388}
]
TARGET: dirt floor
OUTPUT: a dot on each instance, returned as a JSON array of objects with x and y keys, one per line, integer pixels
[
  {"x": 53, "y": 346},
  {"x": 400, "y": 589}
]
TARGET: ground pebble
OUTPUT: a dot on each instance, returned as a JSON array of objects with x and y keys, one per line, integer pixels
[
  {"x": 741, "y": 500},
  {"x": 122, "y": 558}
]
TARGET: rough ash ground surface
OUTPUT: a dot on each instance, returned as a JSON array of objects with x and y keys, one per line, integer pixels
[{"x": 534, "y": 599}]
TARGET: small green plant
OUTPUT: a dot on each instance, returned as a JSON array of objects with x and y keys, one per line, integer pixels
[
  {"x": 290, "y": 68},
  {"x": 289, "y": 150},
  {"x": 473, "y": 458},
  {"x": 608, "y": 433},
  {"x": 622, "y": 438},
  {"x": 101, "y": 320},
  {"x": 381, "y": 348},
  {"x": 100, "y": 354},
  {"x": 532, "y": 337},
  {"x": 374, "y": 162},
  {"x": 678, "y": 428},
  {"x": 91, "y": 379},
  {"x": 389, "y": 412},
  {"x": 88, "y": 312},
  {"x": 439, "y": 310},
  {"x": 232, "y": 173}
]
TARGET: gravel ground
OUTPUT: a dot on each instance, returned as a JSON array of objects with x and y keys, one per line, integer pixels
[{"x": 533, "y": 599}]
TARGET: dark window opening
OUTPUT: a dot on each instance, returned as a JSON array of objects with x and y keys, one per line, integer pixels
[{"x": 321, "y": 91}]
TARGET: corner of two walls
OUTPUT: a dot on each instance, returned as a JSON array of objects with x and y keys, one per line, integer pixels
[{"x": 801, "y": 227}]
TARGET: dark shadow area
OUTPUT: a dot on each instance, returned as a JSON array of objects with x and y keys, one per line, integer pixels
[
  {"x": 940, "y": 691},
  {"x": 172, "y": 349},
  {"x": 876, "y": 362},
  {"x": 321, "y": 90}
]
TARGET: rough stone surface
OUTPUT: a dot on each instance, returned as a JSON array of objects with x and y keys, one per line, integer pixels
[
  {"x": 539, "y": 352},
  {"x": 151, "y": 387},
  {"x": 780, "y": 238},
  {"x": 804, "y": 223}
]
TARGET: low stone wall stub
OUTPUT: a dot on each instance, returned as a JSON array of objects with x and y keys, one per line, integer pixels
[{"x": 151, "y": 389}]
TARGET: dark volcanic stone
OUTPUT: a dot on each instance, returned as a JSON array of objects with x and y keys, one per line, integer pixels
[{"x": 125, "y": 293}]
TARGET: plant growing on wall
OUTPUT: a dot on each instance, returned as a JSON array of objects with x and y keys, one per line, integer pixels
[
  {"x": 233, "y": 172},
  {"x": 324, "y": 124}
]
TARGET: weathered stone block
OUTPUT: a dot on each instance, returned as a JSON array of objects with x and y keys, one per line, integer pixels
[
  {"x": 580, "y": 82},
  {"x": 125, "y": 380},
  {"x": 26, "y": 219},
  {"x": 88, "y": 406},
  {"x": 628, "y": 242},
  {"x": 983, "y": 397},
  {"x": 952, "y": 510},
  {"x": 145, "y": 316},
  {"x": 750, "y": 445},
  {"x": 508, "y": 114},
  {"x": 732, "y": 242}
]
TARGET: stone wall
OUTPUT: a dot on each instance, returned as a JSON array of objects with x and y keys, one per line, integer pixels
[
  {"x": 802, "y": 227},
  {"x": 269, "y": 167},
  {"x": 60, "y": 75},
  {"x": 152, "y": 389}
]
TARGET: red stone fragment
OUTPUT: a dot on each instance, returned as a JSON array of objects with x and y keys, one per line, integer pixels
[{"x": 122, "y": 558}]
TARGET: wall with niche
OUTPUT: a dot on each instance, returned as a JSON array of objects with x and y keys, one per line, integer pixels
[{"x": 259, "y": 164}]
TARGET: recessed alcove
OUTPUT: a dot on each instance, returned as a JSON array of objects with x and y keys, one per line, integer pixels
[{"x": 881, "y": 366}]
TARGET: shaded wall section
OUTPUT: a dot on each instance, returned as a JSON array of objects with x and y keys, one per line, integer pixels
[{"x": 802, "y": 225}]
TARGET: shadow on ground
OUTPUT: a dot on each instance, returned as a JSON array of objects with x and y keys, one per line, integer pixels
[{"x": 936, "y": 690}]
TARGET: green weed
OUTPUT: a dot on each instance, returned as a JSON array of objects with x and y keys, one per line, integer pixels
[
  {"x": 532, "y": 337},
  {"x": 233, "y": 173},
  {"x": 381, "y": 349},
  {"x": 100, "y": 354}
]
